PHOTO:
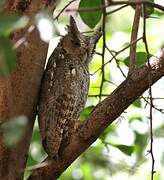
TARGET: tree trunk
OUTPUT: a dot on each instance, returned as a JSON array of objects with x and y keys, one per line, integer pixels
[{"x": 19, "y": 91}]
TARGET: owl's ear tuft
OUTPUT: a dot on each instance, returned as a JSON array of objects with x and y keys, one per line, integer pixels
[
  {"x": 73, "y": 27},
  {"x": 74, "y": 32}
]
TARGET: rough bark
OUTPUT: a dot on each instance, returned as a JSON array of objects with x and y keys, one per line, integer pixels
[
  {"x": 103, "y": 115},
  {"x": 19, "y": 91}
]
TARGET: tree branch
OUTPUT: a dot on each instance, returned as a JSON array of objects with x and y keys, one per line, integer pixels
[
  {"x": 103, "y": 115},
  {"x": 134, "y": 33}
]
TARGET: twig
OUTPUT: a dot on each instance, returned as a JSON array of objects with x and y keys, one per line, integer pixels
[
  {"x": 62, "y": 10},
  {"x": 103, "y": 50},
  {"x": 23, "y": 39},
  {"x": 117, "y": 53},
  {"x": 116, "y": 60},
  {"x": 115, "y": 10},
  {"x": 157, "y": 109},
  {"x": 134, "y": 33},
  {"x": 150, "y": 93}
]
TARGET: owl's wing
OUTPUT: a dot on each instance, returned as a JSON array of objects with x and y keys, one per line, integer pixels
[
  {"x": 46, "y": 98},
  {"x": 45, "y": 109},
  {"x": 58, "y": 122},
  {"x": 54, "y": 121}
]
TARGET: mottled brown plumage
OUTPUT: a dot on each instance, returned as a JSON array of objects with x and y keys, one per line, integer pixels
[{"x": 64, "y": 88}]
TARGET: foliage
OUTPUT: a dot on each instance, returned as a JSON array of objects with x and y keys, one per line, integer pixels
[
  {"x": 141, "y": 59},
  {"x": 13, "y": 130},
  {"x": 148, "y": 9},
  {"x": 91, "y": 18},
  {"x": 7, "y": 57},
  {"x": 9, "y": 23}
]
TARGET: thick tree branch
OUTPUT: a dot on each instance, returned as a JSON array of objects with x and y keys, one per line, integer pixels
[
  {"x": 19, "y": 91},
  {"x": 103, "y": 115}
]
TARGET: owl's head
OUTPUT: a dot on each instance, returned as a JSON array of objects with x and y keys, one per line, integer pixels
[{"x": 79, "y": 45}]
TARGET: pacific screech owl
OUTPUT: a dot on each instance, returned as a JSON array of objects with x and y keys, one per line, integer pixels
[{"x": 64, "y": 88}]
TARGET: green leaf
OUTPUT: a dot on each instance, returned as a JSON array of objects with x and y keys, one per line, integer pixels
[
  {"x": 137, "y": 103},
  {"x": 108, "y": 131},
  {"x": 85, "y": 113},
  {"x": 95, "y": 157},
  {"x": 162, "y": 159},
  {"x": 128, "y": 150},
  {"x": 91, "y": 18},
  {"x": 135, "y": 117},
  {"x": 13, "y": 130},
  {"x": 141, "y": 59},
  {"x": 7, "y": 57},
  {"x": 158, "y": 13},
  {"x": 87, "y": 170},
  {"x": 140, "y": 142},
  {"x": 159, "y": 132},
  {"x": 148, "y": 10},
  {"x": 11, "y": 22}
]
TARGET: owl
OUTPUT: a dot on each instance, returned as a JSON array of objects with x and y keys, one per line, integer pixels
[{"x": 64, "y": 88}]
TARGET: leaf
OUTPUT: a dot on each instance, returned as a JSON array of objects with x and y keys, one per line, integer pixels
[
  {"x": 158, "y": 13},
  {"x": 108, "y": 131},
  {"x": 128, "y": 150},
  {"x": 87, "y": 170},
  {"x": 148, "y": 10},
  {"x": 95, "y": 156},
  {"x": 140, "y": 143},
  {"x": 141, "y": 59},
  {"x": 159, "y": 132},
  {"x": 162, "y": 159},
  {"x": 91, "y": 18},
  {"x": 85, "y": 113},
  {"x": 11, "y": 22},
  {"x": 13, "y": 130},
  {"x": 137, "y": 103},
  {"x": 7, "y": 57},
  {"x": 135, "y": 117}
]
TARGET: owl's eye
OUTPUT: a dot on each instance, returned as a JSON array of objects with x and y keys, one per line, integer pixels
[{"x": 75, "y": 42}]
